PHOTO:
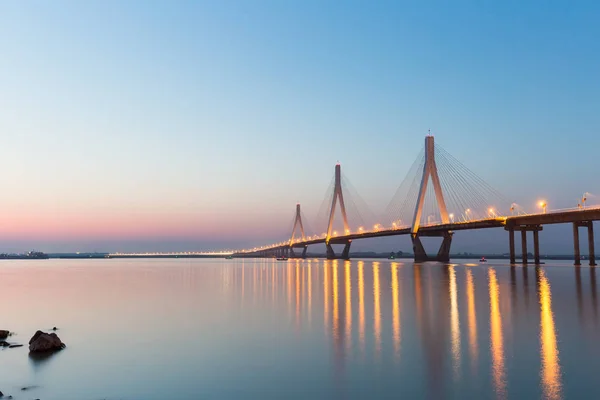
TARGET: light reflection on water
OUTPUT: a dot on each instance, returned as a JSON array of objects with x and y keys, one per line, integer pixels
[
  {"x": 496, "y": 337},
  {"x": 188, "y": 329}
]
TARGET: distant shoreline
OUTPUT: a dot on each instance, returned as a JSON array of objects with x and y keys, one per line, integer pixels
[{"x": 368, "y": 254}]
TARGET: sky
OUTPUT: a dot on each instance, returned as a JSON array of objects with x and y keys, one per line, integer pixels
[{"x": 193, "y": 125}]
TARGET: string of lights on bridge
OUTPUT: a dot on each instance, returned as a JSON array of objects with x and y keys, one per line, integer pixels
[{"x": 515, "y": 209}]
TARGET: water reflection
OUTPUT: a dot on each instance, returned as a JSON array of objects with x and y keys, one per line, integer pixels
[
  {"x": 326, "y": 295},
  {"x": 550, "y": 373},
  {"x": 309, "y": 288},
  {"x": 472, "y": 315},
  {"x": 594, "y": 293},
  {"x": 376, "y": 308},
  {"x": 497, "y": 345},
  {"x": 395, "y": 311},
  {"x": 348, "y": 314},
  {"x": 336, "y": 310},
  {"x": 454, "y": 322},
  {"x": 428, "y": 337},
  {"x": 361, "y": 305}
]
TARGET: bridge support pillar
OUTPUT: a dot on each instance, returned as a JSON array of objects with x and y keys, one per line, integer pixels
[
  {"x": 576, "y": 243},
  {"x": 592, "y": 252},
  {"x": 345, "y": 253},
  {"x": 511, "y": 242},
  {"x": 524, "y": 246},
  {"x": 293, "y": 253},
  {"x": 443, "y": 254},
  {"x": 536, "y": 247}
]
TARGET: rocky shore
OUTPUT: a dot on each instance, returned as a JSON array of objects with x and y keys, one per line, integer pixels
[{"x": 41, "y": 343}]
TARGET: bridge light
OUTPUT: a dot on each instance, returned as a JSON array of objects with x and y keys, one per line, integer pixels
[
  {"x": 451, "y": 217},
  {"x": 394, "y": 225},
  {"x": 360, "y": 229},
  {"x": 334, "y": 233},
  {"x": 347, "y": 231},
  {"x": 543, "y": 205}
]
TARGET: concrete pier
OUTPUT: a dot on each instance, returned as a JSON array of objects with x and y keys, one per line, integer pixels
[
  {"x": 576, "y": 243},
  {"x": 511, "y": 242},
  {"x": 592, "y": 252},
  {"x": 536, "y": 247},
  {"x": 345, "y": 253},
  {"x": 443, "y": 254},
  {"x": 524, "y": 246}
]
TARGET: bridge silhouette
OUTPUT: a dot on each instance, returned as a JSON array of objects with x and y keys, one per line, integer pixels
[{"x": 438, "y": 197}]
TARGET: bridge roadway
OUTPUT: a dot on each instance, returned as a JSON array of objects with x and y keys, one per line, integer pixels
[{"x": 523, "y": 223}]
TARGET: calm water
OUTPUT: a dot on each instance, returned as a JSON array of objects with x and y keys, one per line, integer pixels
[{"x": 217, "y": 329}]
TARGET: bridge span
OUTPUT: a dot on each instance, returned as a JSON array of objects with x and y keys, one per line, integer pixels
[{"x": 429, "y": 179}]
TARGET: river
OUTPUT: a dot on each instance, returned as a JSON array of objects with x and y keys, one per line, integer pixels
[{"x": 310, "y": 329}]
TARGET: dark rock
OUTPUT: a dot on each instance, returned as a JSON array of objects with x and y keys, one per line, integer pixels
[
  {"x": 4, "y": 343},
  {"x": 12, "y": 346},
  {"x": 41, "y": 342},
  {"x": 1, "y": 394},
  {"x": 55, "y": 329},
  {"x": 4, "y": 334}
]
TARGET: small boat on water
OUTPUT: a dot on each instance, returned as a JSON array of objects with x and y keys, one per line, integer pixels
[
  {"x": 282, "y": 259},
  {"x": 482, "y": 260},
  {"x": 229, "y": 258}
]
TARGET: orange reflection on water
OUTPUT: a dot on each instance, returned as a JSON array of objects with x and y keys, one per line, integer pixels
[
  {"x": 326, "y": 294},
  {"x": 254, "y": 284},
  {"x": 361, "y": 304},
  {"x": 376, "y": 308},
  {"x": 297, "y": 279},
  {"x": 348, "y": 290},
  {"x": 273, "y": 283},
  {"x": 454, "y": 322},
  {"x": 289, "y": 286},
  {"x": 418, "y": 294},
  {"x": 303, "y": 288},
  {"x": 395, "y": 310},
  {"x": 496, "y": 336},
  {"x": 309, "y": 289},
  {"x": 472, "y": 318},
  {"x": 243, "y": 283},
  {"x": 550, "y": 370},
  {"x": 336, "y": 310}
]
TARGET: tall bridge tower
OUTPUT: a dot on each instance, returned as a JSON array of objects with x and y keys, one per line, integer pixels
[
  {"x": 338, "y": 195},
  {"x": 430, "y": 171},
  {"x": 298, "y": 224}
]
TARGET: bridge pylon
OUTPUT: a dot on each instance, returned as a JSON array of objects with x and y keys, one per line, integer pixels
[
  {"x": 430, "y": 171},
  {"x": 298, "y": 224},
  {"x": 338, "y": 195}
]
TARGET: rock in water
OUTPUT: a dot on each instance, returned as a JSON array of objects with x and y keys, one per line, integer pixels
[
  {"x": 4, "y": 334},
  {"x": 45, "y": 342}
]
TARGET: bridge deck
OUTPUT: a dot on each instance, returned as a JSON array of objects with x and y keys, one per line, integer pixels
[{"x": 568, "y": 216}]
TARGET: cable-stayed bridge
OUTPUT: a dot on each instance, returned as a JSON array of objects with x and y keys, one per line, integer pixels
[{"x": 438, "y": 197}]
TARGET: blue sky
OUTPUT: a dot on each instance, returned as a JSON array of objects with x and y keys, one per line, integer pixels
[{"x": 205, "y": 122}]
